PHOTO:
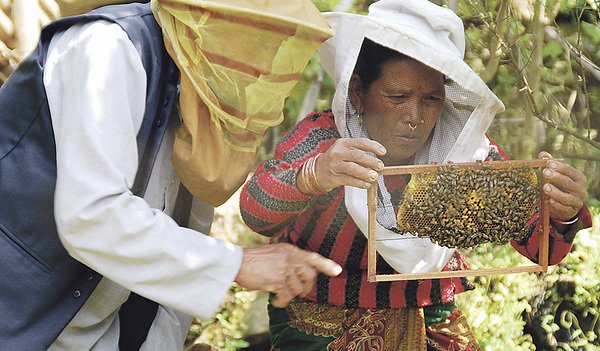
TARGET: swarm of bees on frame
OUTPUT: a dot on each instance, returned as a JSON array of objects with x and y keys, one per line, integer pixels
[{"x": 463, "y": 208}]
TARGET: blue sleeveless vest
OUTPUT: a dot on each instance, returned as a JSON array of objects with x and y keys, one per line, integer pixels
[{"x": 41, "y": 286}]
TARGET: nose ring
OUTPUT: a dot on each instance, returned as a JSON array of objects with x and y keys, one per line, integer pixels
[{"x": 410, "y": 125}]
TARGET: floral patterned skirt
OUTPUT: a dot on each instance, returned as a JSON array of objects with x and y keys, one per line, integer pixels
[{"x": 311, "y": 326}]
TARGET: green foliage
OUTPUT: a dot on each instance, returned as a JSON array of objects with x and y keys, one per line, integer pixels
[
  {"x": 226, "y": 329},
  {"x": 506, "y": 78},
  {"x": 325, "y": 5},
  {"x": 504, "y": 310},
  {"x": 553, "y": 49},
  {"x": 552, "y": 104},
  {"x": 593, "y": 32},
  {"x": 495, "y": 306}
]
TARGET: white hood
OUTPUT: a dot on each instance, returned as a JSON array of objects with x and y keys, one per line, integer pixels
[{"x": 435, "y": 36}]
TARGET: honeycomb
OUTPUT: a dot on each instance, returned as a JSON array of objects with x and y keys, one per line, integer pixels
[{"x": 463, "y": 208}]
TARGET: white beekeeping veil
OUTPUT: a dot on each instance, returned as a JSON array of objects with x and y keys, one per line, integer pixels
[{"x": 434, "y": 36}]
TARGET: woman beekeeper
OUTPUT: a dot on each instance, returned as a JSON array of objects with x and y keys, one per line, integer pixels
[{"x": 403, "y": 96}]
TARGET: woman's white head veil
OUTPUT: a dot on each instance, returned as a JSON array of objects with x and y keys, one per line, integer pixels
[{"x": 434, "y": 36}]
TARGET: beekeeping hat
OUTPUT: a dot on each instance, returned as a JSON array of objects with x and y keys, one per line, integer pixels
[
  {"x": 434, "y": 36},
  {"x": 239, "y": 60}
]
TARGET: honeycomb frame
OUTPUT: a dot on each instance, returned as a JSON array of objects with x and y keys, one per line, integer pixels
[{"x": 542, "y": 266}]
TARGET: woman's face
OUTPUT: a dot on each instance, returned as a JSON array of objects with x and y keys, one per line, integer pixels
[{"x": 401, "y": 107}]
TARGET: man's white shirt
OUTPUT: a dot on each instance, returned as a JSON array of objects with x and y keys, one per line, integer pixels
[{"x": 96, "y": 86}]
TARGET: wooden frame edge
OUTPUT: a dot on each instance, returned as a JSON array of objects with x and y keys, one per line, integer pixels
[{"x": 542, "y": 266}]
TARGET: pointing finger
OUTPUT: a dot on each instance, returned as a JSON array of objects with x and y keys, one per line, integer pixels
[{"x": 320, "y": 263}]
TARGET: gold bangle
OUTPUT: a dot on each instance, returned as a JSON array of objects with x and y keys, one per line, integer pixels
[
  {"x": 309, "y": 176},
  {"x": 306, "y": 170},
  {"x": 304, "y": 177},
  {"x": 313, "y": 174}
]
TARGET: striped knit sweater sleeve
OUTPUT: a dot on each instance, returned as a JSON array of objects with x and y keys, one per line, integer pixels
[{"x": 270, "y": 200}]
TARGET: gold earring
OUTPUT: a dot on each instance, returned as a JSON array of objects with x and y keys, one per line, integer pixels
[{"x": 360, "y": 119}]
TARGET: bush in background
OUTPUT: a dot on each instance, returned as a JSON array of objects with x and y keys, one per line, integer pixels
[{"x": 534, "y": 311}]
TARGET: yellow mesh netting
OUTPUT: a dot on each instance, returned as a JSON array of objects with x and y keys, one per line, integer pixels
[
  {"x": 239, "y": 61},
  {"x": 465, "y": 207},
  {"x": 242, "y": 57}
]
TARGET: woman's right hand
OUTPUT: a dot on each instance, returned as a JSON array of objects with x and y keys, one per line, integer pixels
[{"x": 347, "y": 163}]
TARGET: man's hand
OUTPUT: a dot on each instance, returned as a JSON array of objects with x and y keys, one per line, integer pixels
[
  {"x": 284, "y": 270},
  {"x": 565, "y": 188}
]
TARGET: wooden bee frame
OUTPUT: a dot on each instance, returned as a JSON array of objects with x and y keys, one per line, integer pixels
[{"x": 372, "y": 275}]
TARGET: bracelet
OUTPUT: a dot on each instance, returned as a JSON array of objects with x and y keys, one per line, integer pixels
[
  {"x": 309, "y": 176},
  {"x": 304, "y": 173},
  {"x": 569, "y": 222}
]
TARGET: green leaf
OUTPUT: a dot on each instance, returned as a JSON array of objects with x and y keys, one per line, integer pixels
[
  {"x": 553, "y": 49},
  {"x": 505, "y": 78},
  {"x": 592, "y": 31}
]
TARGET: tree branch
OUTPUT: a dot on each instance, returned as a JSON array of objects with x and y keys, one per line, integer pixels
[
  {"x": 526, "y": 88},
  {"x": 580, "y": 156}
]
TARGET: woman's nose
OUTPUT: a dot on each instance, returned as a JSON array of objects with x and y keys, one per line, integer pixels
[{"x": 415, "y": 111}]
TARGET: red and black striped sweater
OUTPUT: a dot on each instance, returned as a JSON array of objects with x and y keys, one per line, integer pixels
[{"x": 272, "y": 205}]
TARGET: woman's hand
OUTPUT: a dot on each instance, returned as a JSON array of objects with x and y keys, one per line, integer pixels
[
  {"x": 347, "y": 163},
  {"x": 565, "y": 189}
]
